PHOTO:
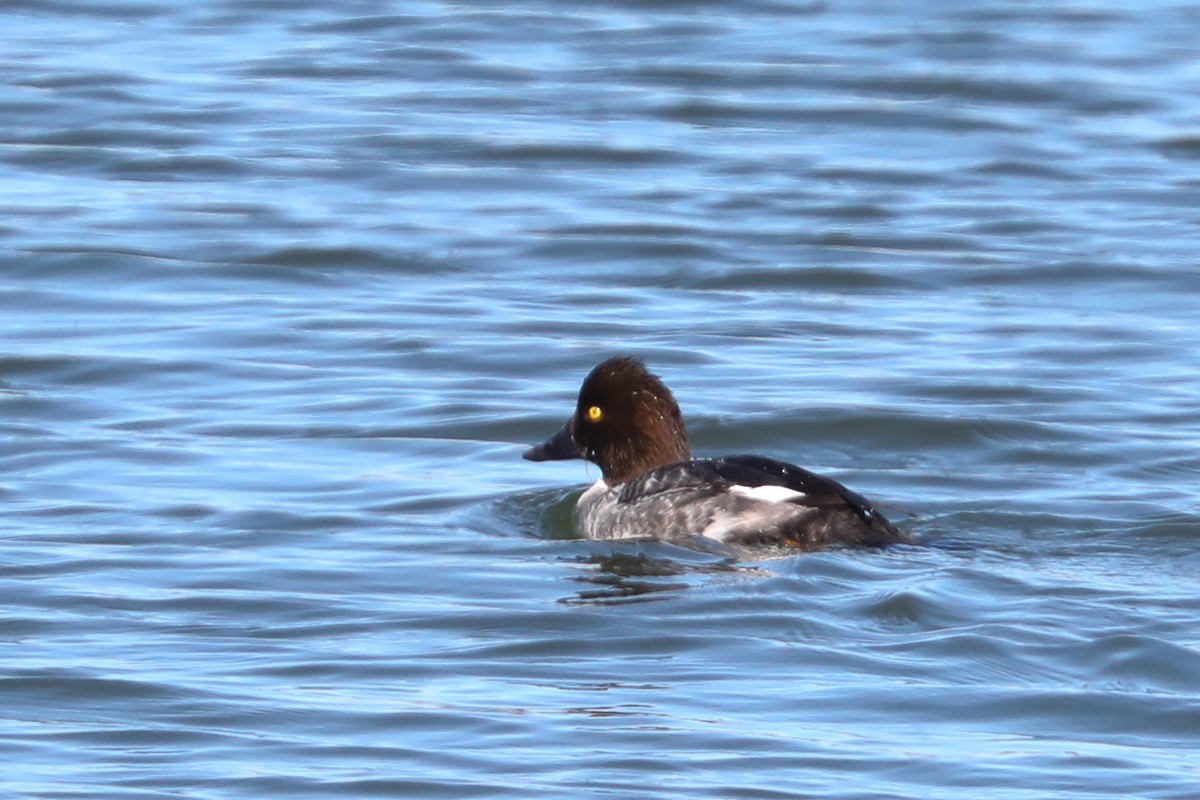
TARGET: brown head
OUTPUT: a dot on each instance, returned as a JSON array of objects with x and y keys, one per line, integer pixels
[{"x": 626, "y": 421}]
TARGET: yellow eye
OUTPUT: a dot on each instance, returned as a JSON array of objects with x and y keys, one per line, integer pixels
[{"x": 595, "y": 414}]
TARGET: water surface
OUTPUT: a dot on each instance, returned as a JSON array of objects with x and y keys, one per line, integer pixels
[{"x": 289, "y": 288}]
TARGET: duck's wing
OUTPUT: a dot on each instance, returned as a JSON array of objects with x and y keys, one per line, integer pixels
[
  {"x": 685, "y": 476},
  {"x": 826, "y": 511},
  {"x": 752, "y": 476},
  {"x": 756, "y": 475}
]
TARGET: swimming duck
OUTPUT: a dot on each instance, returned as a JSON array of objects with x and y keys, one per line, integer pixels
[{"x": 627, "y": 422}]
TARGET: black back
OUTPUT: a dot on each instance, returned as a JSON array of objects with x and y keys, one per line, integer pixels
[{"x": 750, "y": 471}]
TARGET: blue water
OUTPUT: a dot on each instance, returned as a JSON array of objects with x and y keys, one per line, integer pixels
[{"x": 288, "y": 288}]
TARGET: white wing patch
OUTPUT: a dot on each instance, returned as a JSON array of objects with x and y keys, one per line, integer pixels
[{"x": 770, "y": 494}]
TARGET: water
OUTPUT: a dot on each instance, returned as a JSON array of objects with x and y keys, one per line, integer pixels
[{"x": 288, "y": 287}]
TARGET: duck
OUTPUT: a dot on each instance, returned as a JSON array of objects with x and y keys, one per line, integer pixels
[{"x": 628, "y": 423}]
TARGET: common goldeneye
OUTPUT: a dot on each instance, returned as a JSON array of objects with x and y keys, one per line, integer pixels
[{"x": 627, "y": 422}]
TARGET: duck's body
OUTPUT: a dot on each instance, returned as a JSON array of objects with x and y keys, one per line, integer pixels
[
  {"x": 627, "y": 422},
  {"x": 740, "y": 500}
]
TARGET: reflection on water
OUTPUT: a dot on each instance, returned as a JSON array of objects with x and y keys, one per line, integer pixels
[{"x": 626, "y": 576}]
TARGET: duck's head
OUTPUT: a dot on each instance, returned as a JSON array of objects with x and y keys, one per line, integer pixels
[{"x": 626, "y": 421}]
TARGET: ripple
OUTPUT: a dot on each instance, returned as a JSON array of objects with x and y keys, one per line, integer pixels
[{"x": 289, "y": 286}]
